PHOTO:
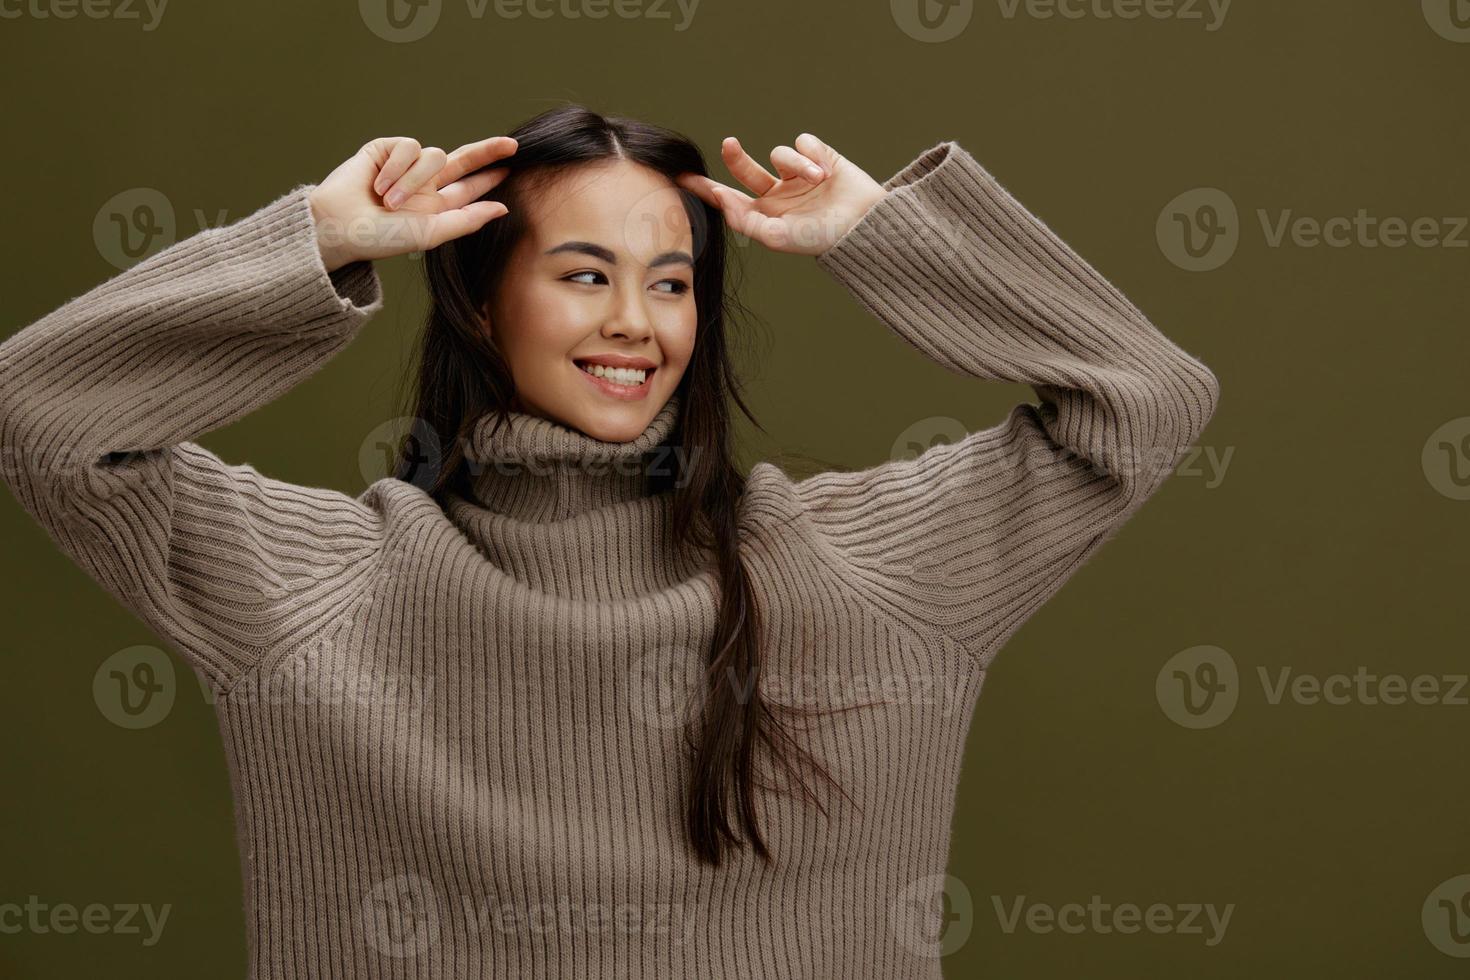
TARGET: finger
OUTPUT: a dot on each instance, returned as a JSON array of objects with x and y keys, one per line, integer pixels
[
  {"x": 473, "y": 187},
  {"x": 737, "y": 208},
  {"x": 430, "y": 162},
  {"x": 402, "y": 152},
  {"x": 744, "y": 168},
  {"x": 791, "y": 165},
  {"x": 472, "y": 156},
  {"x": 700, "y": 186},
  {"x": 817, "y": 151},
  {"x": 461, "y": 221}
]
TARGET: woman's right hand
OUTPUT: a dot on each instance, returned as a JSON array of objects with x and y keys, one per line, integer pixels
[{"x": 394, "y": 196}]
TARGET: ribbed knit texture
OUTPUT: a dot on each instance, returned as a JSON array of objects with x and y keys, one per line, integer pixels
[{"x": 453, "y": 733}]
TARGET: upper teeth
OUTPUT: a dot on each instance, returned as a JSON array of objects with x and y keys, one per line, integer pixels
[{"x": 622, "y": 376}]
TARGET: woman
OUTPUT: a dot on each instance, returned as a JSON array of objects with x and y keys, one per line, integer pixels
[{"x": 567, "y": 544}]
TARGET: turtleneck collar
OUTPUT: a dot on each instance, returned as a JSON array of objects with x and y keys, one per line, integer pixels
[{"x": 535, "y": 469}]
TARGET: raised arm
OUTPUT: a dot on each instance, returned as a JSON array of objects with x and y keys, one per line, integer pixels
[
  {"x": 972, "y": 537},
  {"x": 99, "y": 401}
]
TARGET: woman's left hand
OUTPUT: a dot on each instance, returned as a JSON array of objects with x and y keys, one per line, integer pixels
[{"x": 818, "y": 196}]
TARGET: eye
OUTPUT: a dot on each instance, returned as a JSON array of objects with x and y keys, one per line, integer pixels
[{"x": 680, "y": 286}]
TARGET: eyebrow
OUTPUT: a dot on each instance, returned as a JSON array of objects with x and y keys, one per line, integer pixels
[{"x": 606, "y": 255}]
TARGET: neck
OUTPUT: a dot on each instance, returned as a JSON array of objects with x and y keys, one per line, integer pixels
[{"x": 534, "y": 469}]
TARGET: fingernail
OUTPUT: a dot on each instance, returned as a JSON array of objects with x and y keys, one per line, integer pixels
[
  {"x": 815, "y": 172},
  {"x": 393, "y": 199}
]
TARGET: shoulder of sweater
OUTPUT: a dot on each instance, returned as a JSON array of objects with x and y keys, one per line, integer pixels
[
  {"x": 777, "y": 509},
  {"x": 778, "y": 515},
  {"x": 770, "y": 497},
  {"x": 400, "y": 504}
]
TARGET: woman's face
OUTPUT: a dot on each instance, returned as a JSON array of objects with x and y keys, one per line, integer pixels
[{"x": 605, "y": 272}]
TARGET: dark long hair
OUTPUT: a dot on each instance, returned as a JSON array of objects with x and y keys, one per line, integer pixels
[{"x": 461, "y": 376}]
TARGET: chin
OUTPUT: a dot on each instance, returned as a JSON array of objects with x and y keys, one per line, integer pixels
[{"x": 610, "y": 423}]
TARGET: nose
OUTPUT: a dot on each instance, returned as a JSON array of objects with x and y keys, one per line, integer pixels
[{"x": 628, "y": 319}]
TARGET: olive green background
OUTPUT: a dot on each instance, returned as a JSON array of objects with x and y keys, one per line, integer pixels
[{"x": 1325, "y": 548}]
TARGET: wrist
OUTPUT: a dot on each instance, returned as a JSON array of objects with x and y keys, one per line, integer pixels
[
  {"x": 859, "y": 211},
  {"x": 870, "y": 202},
  {"x": 328, "y": 241}
]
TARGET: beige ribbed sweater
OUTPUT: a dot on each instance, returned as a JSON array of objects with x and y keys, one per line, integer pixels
[{"x": 453, "y": 733}]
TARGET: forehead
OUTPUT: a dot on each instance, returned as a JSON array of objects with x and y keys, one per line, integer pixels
[{"x": 621, "y": 205}]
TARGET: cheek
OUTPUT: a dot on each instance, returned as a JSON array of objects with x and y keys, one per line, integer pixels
[
  {"x": 677, "y": 335},
  {"x": 544, "y": 321}
]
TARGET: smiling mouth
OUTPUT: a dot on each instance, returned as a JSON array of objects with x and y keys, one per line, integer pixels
[{"x": 624, "y": 377}]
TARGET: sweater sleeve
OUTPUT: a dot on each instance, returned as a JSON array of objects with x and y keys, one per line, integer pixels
[
  {"x": 98, "y": 402},
  {"x": 973, "y": 536}
]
